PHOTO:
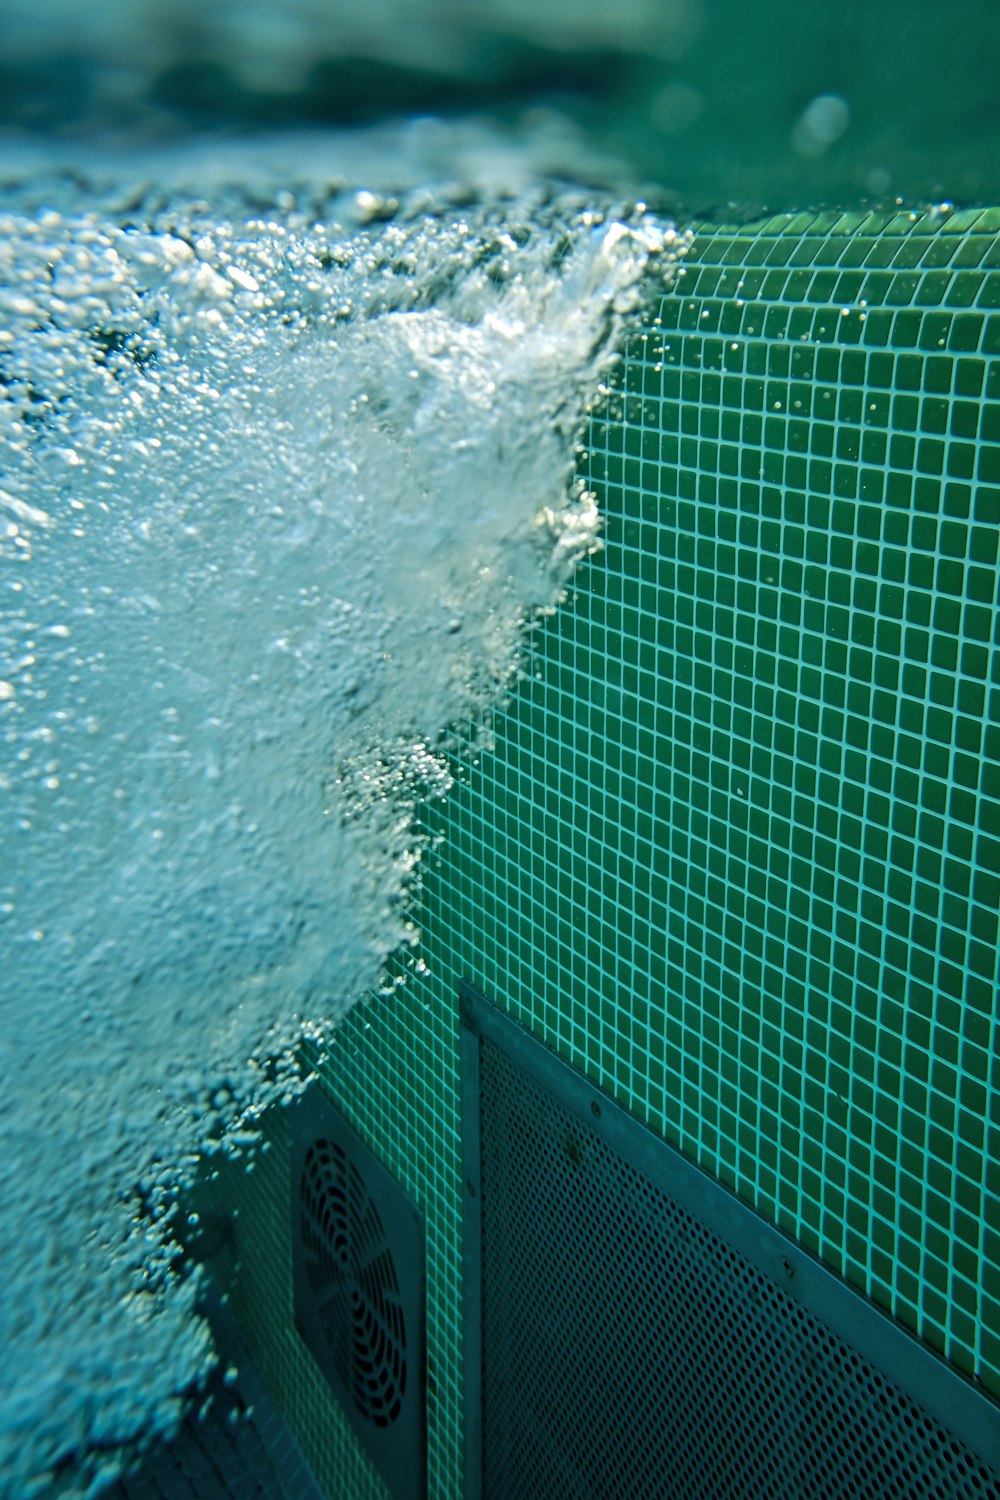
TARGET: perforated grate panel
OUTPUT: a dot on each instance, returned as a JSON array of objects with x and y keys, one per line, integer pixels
[{"x": 629, "y": 1350}]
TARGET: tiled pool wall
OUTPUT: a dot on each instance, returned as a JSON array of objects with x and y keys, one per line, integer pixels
[{"x": 735, "y": 853}]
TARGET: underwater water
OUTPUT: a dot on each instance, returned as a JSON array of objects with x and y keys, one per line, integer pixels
[
  {"x": 286, "y": 470},
  {"x": 287, "y": 437}
]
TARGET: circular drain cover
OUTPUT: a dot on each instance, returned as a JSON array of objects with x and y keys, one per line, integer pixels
[
  {"x": 353, "y": 1280},
  {"x": 359, "y": 1288}
]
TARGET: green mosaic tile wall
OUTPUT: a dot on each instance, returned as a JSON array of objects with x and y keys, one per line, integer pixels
[
  {"x": 736, "y": 851},
  {"x": 806, "y": 486}
]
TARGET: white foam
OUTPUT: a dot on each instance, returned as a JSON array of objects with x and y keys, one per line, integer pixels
[{"x": 276, "y": 501}]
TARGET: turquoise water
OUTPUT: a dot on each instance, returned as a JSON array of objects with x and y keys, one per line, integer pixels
[
  {"x": 705, "y": 103},
  {"x": 300, "y": 322}
]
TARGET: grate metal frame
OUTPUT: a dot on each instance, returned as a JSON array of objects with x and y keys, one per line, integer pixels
[{"x": 821, "y": 1358}]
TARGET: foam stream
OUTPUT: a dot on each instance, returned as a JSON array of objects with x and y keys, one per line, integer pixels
[{"x": 276, "y": 498}]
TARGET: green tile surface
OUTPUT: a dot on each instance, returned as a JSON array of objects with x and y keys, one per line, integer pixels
[{"x": 735, "y": 852}]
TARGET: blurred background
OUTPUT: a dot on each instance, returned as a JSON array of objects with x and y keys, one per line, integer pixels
[{"x": 701, "y": 103}]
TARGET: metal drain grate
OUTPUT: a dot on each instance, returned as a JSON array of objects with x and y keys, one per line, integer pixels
[
  {"x": 353, "y": 1283},
  {"x": 643, "y": 1334},
  {"x": 358, "y": 1256}
]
